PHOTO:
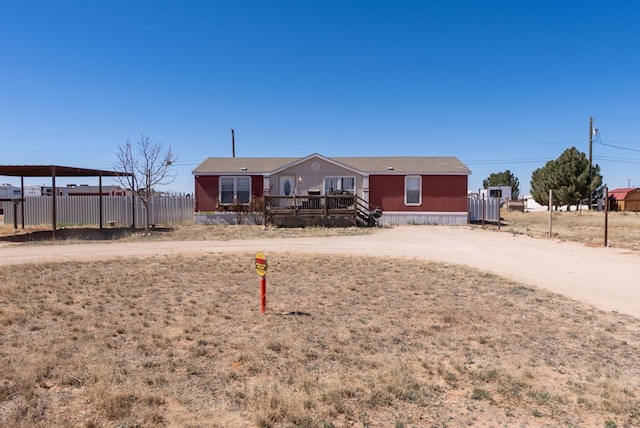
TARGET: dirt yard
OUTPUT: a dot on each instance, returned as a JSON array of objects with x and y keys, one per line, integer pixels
[
  {"x": 362, "y": 330},
  {"x": 604, "y": 277}
]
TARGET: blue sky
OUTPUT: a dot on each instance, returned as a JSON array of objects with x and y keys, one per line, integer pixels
[{"x": 498, "y": 84}]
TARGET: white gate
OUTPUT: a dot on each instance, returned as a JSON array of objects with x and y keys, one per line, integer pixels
[{"x": 487, "y": 209}]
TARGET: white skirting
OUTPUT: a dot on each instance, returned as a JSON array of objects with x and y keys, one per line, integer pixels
[
  {"x": 223, "y": 218},
  {"x": 400, "y": 217}
]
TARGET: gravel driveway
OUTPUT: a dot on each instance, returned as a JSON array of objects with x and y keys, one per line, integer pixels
[{"x": 607, "y": 278}]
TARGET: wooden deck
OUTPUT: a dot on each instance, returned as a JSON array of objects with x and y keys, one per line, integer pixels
[{"x": 319, "y": 210}]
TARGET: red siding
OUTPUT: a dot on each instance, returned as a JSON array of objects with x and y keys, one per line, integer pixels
[
  {"x": 207, "y": 191},
  {"x": 440, "y": 193},
  {"x": 257, "y": 186}
]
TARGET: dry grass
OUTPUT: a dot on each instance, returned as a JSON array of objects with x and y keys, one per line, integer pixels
[
  {"x": 347, "y": 341},
  {"x": 585, "y": 226},
  {"x": 185, "y": 232}
]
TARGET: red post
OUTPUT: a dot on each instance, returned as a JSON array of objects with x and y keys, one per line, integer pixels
[{"x": 263, "y": 294}]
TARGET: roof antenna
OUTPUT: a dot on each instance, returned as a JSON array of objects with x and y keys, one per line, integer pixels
[{"x": 233, "y": 144}]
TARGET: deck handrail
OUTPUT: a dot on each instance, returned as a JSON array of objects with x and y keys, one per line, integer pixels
[{"x": 318, "y": 205}]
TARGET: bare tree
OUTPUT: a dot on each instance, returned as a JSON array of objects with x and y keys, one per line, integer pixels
[{"x": 148, "y": 163}]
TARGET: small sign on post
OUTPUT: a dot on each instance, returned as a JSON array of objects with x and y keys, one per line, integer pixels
[
  {"x": 261, "y": 270},
  {"x": 261, "y": 264}
]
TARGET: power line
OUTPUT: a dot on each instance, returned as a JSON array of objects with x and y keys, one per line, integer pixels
[
  {"x": 617, "y": 160},
  {"x": 598, "y": 140},
  {"x": 504, "y": 161},
  {"x": 618, "y": 147}
]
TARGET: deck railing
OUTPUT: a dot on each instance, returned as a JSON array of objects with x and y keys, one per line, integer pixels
[
  {"x": 310, "y": 205},
  {"x": 323, "y": 208}
]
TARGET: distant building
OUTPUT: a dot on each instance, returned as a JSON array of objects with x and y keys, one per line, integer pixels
[
  {"x": 32, "y": 190},
  {"x": 8, "y": 191},
  {"x": 626, "y": 199},
  {"x": 501, "y": 192}
]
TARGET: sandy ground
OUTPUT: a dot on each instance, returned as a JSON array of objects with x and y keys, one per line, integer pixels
[{"x": 607, "y": 278}]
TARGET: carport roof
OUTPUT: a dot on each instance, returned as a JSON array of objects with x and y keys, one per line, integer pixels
[{"x": 55, "y": 170}]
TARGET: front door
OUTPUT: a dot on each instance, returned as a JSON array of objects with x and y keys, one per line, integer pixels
[{"x": 287, "y": 185}]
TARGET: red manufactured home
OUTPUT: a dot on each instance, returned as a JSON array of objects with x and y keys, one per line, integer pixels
[{"x": 417, "y": 190}]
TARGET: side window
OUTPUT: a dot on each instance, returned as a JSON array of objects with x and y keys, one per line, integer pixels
[{"x": 413, "y": 190}]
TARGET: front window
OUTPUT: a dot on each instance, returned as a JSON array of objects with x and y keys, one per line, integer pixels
[
  {"x": 235, "y": 190},
  {"x": 339, "y": 185},
  {"x": 413, "y": 190}
]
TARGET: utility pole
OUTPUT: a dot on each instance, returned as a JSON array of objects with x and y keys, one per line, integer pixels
[
  {"x": 233, "y": 144},
  {"x": 590, "y": 160}
]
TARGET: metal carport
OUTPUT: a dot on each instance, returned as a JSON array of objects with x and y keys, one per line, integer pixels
[{"x": 54, "y": 171}]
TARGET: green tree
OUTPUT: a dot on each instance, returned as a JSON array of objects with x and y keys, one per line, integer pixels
[
  {"x": 570, "y": 178},
  {"x": 505, "y": 178},
  {"x": 541, "y": 182}
]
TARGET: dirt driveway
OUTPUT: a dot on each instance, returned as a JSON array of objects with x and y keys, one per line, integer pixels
[{"x": 607, "y": 278}]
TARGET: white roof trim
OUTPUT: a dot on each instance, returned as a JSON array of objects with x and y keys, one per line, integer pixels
[{"x": 317, "y": 156}]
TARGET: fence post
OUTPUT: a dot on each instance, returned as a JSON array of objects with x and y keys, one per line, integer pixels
[
  {"x": 133, "y": 211},
  {"x": 550, "y": 212},
  {"x": 606, "y": 216},
  {"x": 15, "y": 214}
]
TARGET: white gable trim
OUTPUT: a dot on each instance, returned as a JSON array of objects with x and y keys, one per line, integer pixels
[{"x": 316, "y": 156}]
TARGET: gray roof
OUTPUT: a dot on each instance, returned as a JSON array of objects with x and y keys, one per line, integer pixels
[
  {"x": 406, "y": 164},
  {"x": 367, "y": 165},
  {"x": 237, "y": 165}
]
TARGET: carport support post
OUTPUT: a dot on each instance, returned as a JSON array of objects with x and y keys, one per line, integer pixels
[
  {"x": 100, "y": 203},
  {"x": 23, "y": 200},
  {"x": 53, "y": 200}
]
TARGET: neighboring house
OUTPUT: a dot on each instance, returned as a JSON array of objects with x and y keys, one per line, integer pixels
[
  {"x": 420, "y": 190},
  {"x": 627, "y": 199},
  {"x": 501, "y": 192},
  {"x": 8, "y": 191}
]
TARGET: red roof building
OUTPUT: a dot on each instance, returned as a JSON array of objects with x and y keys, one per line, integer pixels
[{"x": 627, "y": 199}]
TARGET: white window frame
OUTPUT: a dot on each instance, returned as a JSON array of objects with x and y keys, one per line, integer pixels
[
  {"x": 340, "y": 183},
  {"x": 407, "y": 179},
  {"x": 235, "y": 189}
]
